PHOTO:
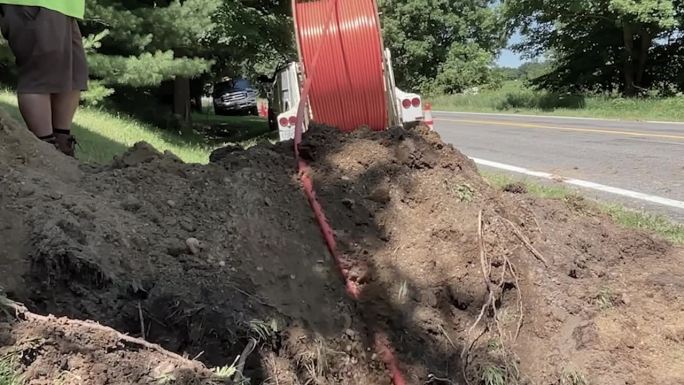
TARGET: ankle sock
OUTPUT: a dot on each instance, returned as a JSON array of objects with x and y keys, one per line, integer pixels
[
  {"x": 48, "y": 138},
  {"x": 61, "y": 131}
]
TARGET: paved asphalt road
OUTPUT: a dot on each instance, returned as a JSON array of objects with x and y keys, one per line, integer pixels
[{"x": 641, "y": 164}]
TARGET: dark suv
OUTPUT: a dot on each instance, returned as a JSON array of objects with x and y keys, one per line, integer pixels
[{"x": 236, "y": 96}]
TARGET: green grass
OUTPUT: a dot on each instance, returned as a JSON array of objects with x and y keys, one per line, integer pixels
[
  {"x": 514, "y": 97},
  {"x": 493, "y": 375},
  {"x": 463, "y": 192},
  {"x": 572, "y": 377},
  {"x": 605, "y": 299},
  {"x": 102, "y": 134},
  {"x": 625, "y": 217},
  {"x": 8, "y": 375},
  {"x": 638, "y": 220},
  {"x": 536, "y": 189},
  {"x": 245, "y": 130}
]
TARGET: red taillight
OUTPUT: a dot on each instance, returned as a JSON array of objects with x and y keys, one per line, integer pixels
[
  {"x": 406, "y": 103},
  {"x": 415, "y": 102},
  {"x": 283, "y": 122},
  {"x": 293, "y": 120}
]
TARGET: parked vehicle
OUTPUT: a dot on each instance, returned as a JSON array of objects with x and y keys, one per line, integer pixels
[
  {"x": 235, "y": 97},
  {"x": 283, "y": 96}
]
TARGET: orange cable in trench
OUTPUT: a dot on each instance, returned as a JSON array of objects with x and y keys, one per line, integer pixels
[
  {"x": 349, "y": 90},
  {"x": 327, "y": 12}
]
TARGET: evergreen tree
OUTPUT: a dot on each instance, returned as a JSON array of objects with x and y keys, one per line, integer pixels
[{"x": 143, "y": 43}]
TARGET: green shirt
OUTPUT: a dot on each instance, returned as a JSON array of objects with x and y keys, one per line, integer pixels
[{"x": 73, "y": 8}]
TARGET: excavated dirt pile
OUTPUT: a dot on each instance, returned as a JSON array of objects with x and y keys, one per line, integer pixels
[{"x": 470, "y": 284}]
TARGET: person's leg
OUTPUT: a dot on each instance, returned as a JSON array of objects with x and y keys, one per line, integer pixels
[
  {"x": 64, "y": 104},
  {"x": 37, "y": 113},
  {"x": 63, "y": 109}
]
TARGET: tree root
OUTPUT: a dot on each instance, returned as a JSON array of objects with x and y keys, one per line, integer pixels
[
  {"x": 493, "y": 293},
  {"x": 21, "y": 312},
  {"x": 526, "y": 242}
]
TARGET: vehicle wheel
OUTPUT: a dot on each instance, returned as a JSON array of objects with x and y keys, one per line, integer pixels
[
  {"x": 219, "y": 112},
  {"x": 254, "y": 111}
]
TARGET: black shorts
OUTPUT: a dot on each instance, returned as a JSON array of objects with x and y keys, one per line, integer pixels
[{"x": 48, "y": 49}]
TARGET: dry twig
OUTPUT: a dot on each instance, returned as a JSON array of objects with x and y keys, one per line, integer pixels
[
  {"x": 142, "y": 321},
  {"x": 23, "y": 313},
  {"x": 249, "y": 348},
  {"x": 441, "y": 328},
  {"x": 520, "y": 300},
  {"x": 527, "y": 242},
  {"x": 250, "y": 295},
  {"x": 485, "y": 267}
]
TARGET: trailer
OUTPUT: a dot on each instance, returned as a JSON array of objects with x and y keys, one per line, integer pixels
[
  {"x": 285, "y": 95},
  {"x": 354, "y": 82}
]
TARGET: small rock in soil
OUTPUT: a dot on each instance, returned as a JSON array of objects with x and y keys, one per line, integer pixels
[
  {"x": 55, "y": 195},
  {"x": 558, "y": 313},
  {"x": 193, "y": 245},
  {"x": 404, "y": 151},
  {"x": 26, "y": 191},
  {"x": 186, "y": 224},
  {"x": 349, "y": 203},
  {"x": 130, "y": 203},
  {"x": 380, "y": 194},
  {"x": 176, "y": 248},
  {"x": 585, "y": 335}
]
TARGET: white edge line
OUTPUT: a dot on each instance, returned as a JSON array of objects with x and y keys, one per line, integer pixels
[
  {"x": 556, "y": 117},
  {"x": 585, "y": 184}
]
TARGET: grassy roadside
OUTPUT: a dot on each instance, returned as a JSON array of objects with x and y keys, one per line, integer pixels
[
  {"x": 102, "y": 134},
  {"x": 8, "y": 376},
  {"x": 245, "y": 130},
  {"x": 621, "y": 215},
  {"x": 515, "y": 98}
]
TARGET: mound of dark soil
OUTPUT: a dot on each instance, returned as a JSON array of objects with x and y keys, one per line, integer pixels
[{"x": 208, "y": 257}]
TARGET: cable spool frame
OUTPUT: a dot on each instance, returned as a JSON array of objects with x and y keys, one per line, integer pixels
[{"x": 391, "y": 115}]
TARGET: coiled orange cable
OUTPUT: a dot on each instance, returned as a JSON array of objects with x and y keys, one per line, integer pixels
[
  {"x": 327, "y": 27},
  {"x": 349, "y": 86}
]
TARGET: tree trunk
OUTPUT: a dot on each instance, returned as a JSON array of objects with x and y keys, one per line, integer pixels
[
  {"x": 181, "y": 98},
  {"x": 646, "y": 42},
  {"x": 628, "y": 65}
]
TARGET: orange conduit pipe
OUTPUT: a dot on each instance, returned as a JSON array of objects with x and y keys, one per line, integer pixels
[
  {"x": 327, "y": 24},
  {"x": 349, "y": 90}
]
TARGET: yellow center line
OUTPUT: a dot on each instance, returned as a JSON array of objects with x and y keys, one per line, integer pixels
[{"x": 576, "y": 129}]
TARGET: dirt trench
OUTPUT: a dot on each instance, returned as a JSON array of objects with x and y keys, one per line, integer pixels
[{"x": 203, "y": 258}]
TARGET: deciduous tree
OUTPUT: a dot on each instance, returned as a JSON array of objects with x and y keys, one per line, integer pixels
[
  {"x": 442, "y": 45},
  {"x": 597, "y": 44}
]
